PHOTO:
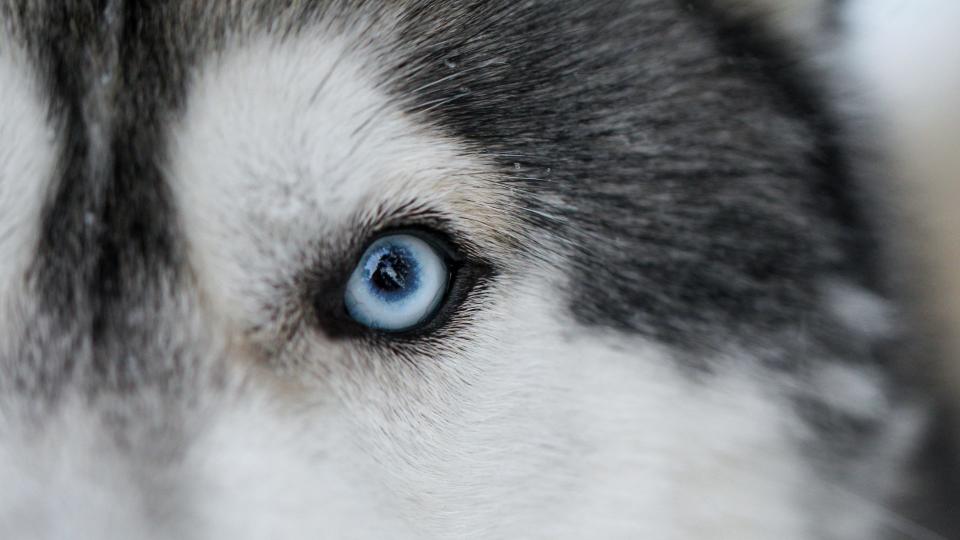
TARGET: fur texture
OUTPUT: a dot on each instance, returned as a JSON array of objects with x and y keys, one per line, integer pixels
[{"x": 671, "y": 316}]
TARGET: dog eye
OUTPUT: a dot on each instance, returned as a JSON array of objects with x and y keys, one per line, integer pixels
[{"x": 398, "y": 284}]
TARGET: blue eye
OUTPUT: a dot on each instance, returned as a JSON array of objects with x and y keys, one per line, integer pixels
[{"x": 397, "y": 285}]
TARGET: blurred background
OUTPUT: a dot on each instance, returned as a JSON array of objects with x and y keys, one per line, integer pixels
[{"x": 905, "y": 57}]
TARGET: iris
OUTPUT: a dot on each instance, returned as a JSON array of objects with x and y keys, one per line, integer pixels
[{"x": 398, "y": 284}]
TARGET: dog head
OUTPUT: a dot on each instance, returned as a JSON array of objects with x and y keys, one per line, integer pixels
[{"x": 482, "y": 269}]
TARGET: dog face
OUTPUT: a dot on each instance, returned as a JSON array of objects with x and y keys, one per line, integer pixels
[{"x": 452, "y": 269}]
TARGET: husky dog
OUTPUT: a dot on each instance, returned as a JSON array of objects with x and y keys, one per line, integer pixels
[{"x": 447, "y": 269}]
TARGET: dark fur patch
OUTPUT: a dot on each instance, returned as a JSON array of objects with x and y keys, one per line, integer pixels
[
  {"x": 694, "y": 178},
  {"x": 109, "y": 245}
]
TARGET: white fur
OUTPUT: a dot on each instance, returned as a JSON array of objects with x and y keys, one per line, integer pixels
[
  {"x": 541, "y": 444},
  {"x": 28, "y": 148}
]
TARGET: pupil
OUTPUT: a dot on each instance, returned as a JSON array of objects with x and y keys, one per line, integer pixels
[{"x": 392, "y": 272}]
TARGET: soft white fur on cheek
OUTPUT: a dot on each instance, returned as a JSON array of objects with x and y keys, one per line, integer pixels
[
  {"x": 541, "y": 425},
  {"x": 540, "y": 429},
  {"x": 614, "y": 441},
  {"x": 264, "y": 472},
  {"x": 27, "y": 158},
  {"x": 533, "y": 428}
]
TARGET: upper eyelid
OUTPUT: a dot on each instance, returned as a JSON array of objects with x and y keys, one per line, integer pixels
[{"x": 414, "y": 216}]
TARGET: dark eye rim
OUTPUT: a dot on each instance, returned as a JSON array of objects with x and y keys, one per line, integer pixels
[{"x": 465, "y": 272}]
